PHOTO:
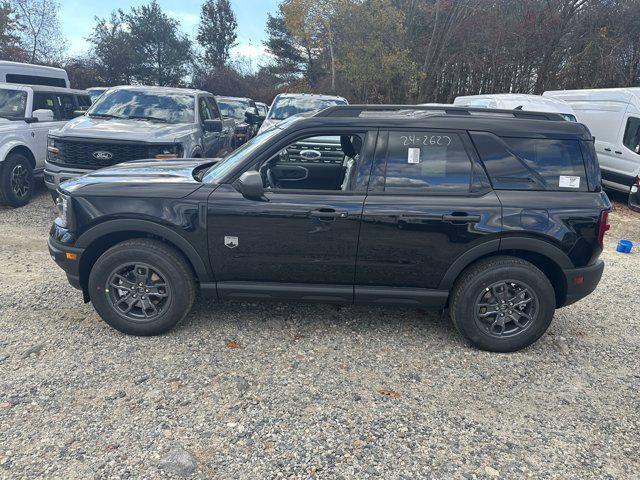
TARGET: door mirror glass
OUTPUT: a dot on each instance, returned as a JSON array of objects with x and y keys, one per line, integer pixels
[
  {"x": 213, "y": 125},
  {"x": 43, "y": 115},
  {"x": 250, "y": 185}
]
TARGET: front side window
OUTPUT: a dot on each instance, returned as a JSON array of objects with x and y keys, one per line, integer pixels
[
  {"x": 205, "y": 111},
  {"x": 13, "y": 103},
  {"x": 141, "y": 105},
  {"x": 426, "y": 162},
  {"x": 631, "y": 138},
  {"x": 46, "y": 101},
  {"x": 285, "y": 107},
  {"x": 67, "y": 106}
]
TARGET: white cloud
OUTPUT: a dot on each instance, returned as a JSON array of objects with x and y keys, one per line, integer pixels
[
  {"x": 187, "y": 20},
  {"x": 250, "y": 50}
]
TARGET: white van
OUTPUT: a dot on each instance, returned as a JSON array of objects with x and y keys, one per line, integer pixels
[
  {"x": 28, "y": 74},
  {"x": 613, "y": 116},
  {"x": 518, "y": 101}
]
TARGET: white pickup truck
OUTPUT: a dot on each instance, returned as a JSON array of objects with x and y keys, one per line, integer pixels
[{"x": 27, "y": 113}]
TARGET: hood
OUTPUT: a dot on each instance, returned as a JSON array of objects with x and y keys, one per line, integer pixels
[
  {"x": 268, "y": 123},
  {"x": 115, "y": 129},
  {"x": 141, "y": 178}
]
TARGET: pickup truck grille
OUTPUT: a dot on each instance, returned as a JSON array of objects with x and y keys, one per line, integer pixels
[
  {"x": 93, "y": 155},
  {"x": 326, "y": 153}
]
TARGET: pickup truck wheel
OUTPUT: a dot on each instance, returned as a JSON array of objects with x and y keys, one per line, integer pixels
[
  {"x": 142, "y": 287},
  {"x": 502, "y": 304},
  {"x": 16, "y": 180}
]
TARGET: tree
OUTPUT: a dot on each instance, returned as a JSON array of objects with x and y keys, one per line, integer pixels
[
  {"x": 40, "y": 29},
  {"x": 10, "y": 48},
  {"x": 288, "y": 64},
  {"x": 163, "y": 52},
  {"x": 216, "y": 33},
  {"x": 113, "y": 50}
]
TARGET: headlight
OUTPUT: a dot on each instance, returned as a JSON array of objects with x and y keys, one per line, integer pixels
[
  {"x": 51, "y": 145},
  {"x": 62, "y": 203},
  {"x": 166, "y": 151}
]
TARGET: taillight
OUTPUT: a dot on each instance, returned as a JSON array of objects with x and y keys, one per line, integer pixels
[{"x": 603, "y": 226}]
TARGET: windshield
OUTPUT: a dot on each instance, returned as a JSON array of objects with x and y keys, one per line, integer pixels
[
  {"x": 285, "y": 107},
  {"x": 94, "y": 93},
  {"x": 137, "y": 104},
  {"x": 233, "y": 108},
  {"x": 238, "y": 156},
  {"x": 13, "y": 103}
]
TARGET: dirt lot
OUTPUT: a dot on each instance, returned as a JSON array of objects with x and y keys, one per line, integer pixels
[{"x": 310, "y": 390}]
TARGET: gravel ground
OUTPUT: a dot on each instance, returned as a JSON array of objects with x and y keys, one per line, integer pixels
[{"x": 258, "y": 391}]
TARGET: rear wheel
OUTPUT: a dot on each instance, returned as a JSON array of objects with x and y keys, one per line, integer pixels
[
  {"x": 16, "y": 180},
  {"x": 142, "y": 287},
  {"x": 502, "y": 304}
]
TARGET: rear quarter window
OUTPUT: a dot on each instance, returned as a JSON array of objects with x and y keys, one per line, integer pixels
[{"x": 532, "y": 164}]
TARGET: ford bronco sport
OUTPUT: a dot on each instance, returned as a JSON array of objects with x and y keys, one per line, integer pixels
[{"x": 497, "y": 216}]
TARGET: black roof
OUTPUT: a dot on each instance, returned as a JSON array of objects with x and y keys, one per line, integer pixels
[{"x": 505, "y": 123}]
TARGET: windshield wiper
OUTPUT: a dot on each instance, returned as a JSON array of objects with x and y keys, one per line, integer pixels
[
  {"x": 145, "y": 117},
  {"x": 104, "y": 115}
]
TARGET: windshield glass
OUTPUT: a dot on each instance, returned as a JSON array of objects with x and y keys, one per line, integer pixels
[
  {"x": 165, "y": 107},
  {"x": 238, "y": 156},
  {"x": 233, "y": 108},
  {"x": 94, "y": 93},
  {"x": 13, "y": 103},
  {"x": 285, "y": 107}
]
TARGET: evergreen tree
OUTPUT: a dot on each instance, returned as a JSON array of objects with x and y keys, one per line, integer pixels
[{"x": 216, "y": 33}]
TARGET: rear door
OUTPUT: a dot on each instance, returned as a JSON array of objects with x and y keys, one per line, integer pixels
[{"x": 429, "y": 202}]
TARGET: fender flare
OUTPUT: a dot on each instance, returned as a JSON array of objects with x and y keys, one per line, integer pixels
[
  {"x": 8, "y": 146},
  {"x": 533, "y": 245},
  {"x": 110, "y": 227}
]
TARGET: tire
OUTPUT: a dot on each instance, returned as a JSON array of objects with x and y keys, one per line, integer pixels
[
  {"x": 124, "y": 264},
  {"x": 16, "y": 180},
  {"x": 487, "y": 287}
]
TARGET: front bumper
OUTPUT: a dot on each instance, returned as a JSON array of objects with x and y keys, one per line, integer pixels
[
  {"x": 582, "y": 281},
  {"x": 67, "y": 257},
  {"x": 54, "y": 175}
]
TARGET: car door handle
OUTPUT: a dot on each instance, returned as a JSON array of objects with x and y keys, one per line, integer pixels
[
  {"x": 461, "y": 218},
  {"x": 618, "y": 152},
  {"x": 328, "y": 213},
  {"x": 607, "y": 149}
]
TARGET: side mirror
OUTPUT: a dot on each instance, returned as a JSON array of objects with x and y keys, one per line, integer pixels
[
  {"x": 250, "y": 185},
  {"x": 43, "y": 115},
  {"x": 250, "y": 116},
  {"x": 213, "y": 125}
]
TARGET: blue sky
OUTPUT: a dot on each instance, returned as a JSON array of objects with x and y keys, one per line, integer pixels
[{"x": 77, "y": 20}]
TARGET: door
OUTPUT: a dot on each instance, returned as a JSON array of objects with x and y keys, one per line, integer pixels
[
  {"x": 627, "y": 156},
  {"x": 228, "y": 126},
  {"x": 40, "y": 130},
  {"x": 303, "y": 236},
  {"x": 211, "y": 141},
  {"x": 428, "y": 203}
]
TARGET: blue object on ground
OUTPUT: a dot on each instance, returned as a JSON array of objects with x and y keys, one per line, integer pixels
[{"x": 624, "y": 246}]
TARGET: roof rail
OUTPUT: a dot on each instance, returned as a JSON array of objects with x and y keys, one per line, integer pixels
[{"x": 357, "y": 110}]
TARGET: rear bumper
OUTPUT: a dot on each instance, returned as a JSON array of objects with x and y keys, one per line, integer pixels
[
  {"x": 582, "y": 281},
  {"x": 71, "y": 266}
]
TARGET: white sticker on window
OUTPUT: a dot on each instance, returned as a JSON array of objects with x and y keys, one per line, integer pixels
[
  {"x": 569, "y": 181},
  {"x": 413, "y": 155}
]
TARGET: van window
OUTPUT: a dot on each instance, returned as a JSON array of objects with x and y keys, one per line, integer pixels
[
  {"x": 426, "y": 162},
  {"x": 36, "y": 80},
  {"x": 47, "y": 101},
  {"x": 631, "y": 138}
]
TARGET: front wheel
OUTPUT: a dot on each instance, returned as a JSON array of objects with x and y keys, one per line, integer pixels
[
  {"x": 142, "y": 287},
  {"x": 502, "y": 304},
  {"x": 16, "y": 180}
]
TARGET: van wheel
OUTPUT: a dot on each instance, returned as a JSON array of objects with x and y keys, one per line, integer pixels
[
  {"x": 16, "y": 180},
  {"x": 502, "y": 304},
  {"x": 142, "y": 287}
]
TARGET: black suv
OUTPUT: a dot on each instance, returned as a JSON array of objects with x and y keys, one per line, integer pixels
[{"x": 496, "y": 215}]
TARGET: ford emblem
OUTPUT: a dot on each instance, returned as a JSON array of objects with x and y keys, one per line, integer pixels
[
  {"x": 310, "y": 154},
  {"x": 101, "y": 155}
]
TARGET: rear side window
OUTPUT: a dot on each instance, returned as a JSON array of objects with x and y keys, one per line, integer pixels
[
  {"x": 532, "y": 164},
  {"x": 426, "y": 162},
  {"x": 631, "y": 138},
  {"x": 558, "y": 162}
]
